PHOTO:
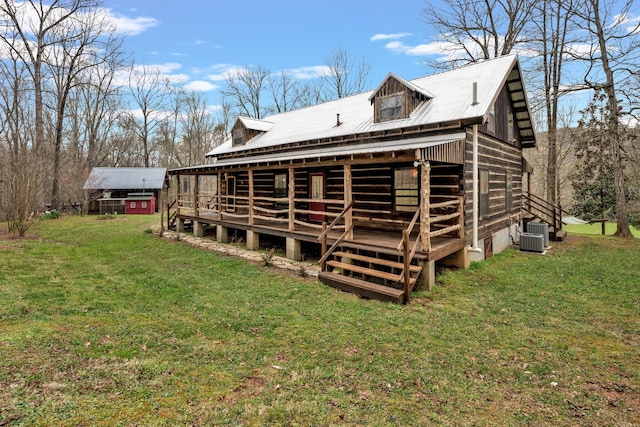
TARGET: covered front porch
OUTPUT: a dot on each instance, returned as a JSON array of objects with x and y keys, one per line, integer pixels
[{"x": 382, "y": 218}]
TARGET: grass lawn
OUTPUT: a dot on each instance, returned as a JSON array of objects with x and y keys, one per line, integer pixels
[
  {"x": 596, "y": 228},
  {"x": 104, "y": 324}
]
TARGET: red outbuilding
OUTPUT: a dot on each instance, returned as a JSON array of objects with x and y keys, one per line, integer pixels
[{"x": 140, "y": 203}]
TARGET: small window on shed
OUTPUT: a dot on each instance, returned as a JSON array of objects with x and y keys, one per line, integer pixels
[
  {"x": 144, "y": 205},
  {"x": 390, "y": 107},
  {"x": 132, "y": 205}
]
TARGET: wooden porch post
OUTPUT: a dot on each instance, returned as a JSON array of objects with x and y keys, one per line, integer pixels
[
  {"x": 292, "y": 196},
  {"x": 348, "y": 196},
  {"x": 219, "y": 196},
  {"x": 178, "y": 194},
  {"x": 196, "y": 191},
  {"x": 425, "y": 193},
  {"x": 250, "y": 196}
]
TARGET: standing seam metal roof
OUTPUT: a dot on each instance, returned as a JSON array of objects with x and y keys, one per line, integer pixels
[
  {"x": 452, "y": 101},
  {"x": 125, "y": 178}
]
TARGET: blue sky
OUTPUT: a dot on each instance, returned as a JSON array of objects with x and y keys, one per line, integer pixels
[{"x": 194, "y": 42}]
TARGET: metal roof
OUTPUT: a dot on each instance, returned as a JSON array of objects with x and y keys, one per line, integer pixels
[
  {"x": 125, "y": 178},
  {"x": 452, "y": 101},
  {"x": 324, "y": 152}
]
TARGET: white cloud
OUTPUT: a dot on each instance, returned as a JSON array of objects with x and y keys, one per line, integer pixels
[
  {"x": 311, "y": 72},
  {"x": 131, "y": 26},
  {"x": 434, "y": 48},
  {"x": 394, "y": 36},
  {"x": 223, "y": 71},
  {"x": 200, "y": 86}
]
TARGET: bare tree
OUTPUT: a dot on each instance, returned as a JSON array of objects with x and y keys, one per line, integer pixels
[
  {"x": 149, "y": 92},
  {"x": 85, "y": 44},
  {"x": 20, "y": 163},
  {"x": 30, "y": 39},
  {"x": 553, "y": 29},
  {"x": 611, "y": 60},
  {"x": 197, "y": 126},
  {"x": 245, "y": 89},
  {"x": 475, "y": 30},
  {"x": 346, "y": 76},
  {"x": 285, "y": 92}
]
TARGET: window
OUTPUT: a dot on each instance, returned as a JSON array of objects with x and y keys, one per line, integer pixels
[
  {"x": 484, "y": 192},
  {"x": 132, "y": 205},
  {"x": 144, "y": 205},
  {"x": 510, "y": 128},
  {"x": 508, "y": 203},
  {"x": 280, "y": 185},
  {"x": 491, "y": 120},
  {"x": 406, "y": 189},
  {"x": 238, "y": 137},
  {"x": 391, "y": 107}
]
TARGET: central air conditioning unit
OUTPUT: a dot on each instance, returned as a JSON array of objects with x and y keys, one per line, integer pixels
[
  {"x": 531, "y": 242},
  {"x": 539, "y": 228}
]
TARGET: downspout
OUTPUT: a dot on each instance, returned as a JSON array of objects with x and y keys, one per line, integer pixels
[{"x": 474, "y": 247}]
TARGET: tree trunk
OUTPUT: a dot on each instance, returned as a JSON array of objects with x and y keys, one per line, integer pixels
[{"x": 622, "y": 218}]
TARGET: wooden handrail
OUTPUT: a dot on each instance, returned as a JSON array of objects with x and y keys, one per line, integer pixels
[
  {"x": 543, "y": 209},
  {"x": 410, "y": 228},
  {"x": 335, "y": 245},
  {"x": 333, "y": 223}
]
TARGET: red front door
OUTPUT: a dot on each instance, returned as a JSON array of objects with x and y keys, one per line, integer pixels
[{"x": 317, "y": 195}]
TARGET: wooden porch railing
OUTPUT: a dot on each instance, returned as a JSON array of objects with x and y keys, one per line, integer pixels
[
  {"x": 171, "y": 216},
  {"x": 322, "y": 238},
  {"x": 544, "y": 210},
  {"x": 408, "y": 254}
]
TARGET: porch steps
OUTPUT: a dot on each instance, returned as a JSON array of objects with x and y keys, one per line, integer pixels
[
  {"x": 370, "y": 271},
  {"x": 422, "y": 256},
  {"x": 362, "y": 287},
  {"x": 380, "y": 261}
]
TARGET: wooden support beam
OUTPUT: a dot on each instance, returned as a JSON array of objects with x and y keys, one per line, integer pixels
[
  {"x": 178, "y": 195},
  {"x": 196, "y": 191},
  {"x": 219, "y": 195},
  {"x": 425, "y": 194},
  {"x": 348, "y": 197},
  {"x": 250, "y": 196},
  {"x": 292, "y": 196}
]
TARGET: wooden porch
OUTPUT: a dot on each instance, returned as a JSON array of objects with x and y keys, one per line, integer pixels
[{"x": 364, "y": 254}]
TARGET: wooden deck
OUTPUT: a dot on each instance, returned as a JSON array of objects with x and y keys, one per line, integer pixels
[{"x": 374, "y": 240}]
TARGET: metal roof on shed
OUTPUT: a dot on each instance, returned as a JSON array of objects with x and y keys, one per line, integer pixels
[{"x": 125, "y": 178}]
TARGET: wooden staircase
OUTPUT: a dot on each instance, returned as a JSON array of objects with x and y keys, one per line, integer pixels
[
  {"x": 539, "y": 209},
  {"x": 372, "y": 272},
  {"x": 386, "y": 274}
]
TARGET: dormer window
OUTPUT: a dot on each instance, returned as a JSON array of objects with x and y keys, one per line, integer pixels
[
  {"x": 238, "y": 137},
  {"x": 396, "y": 99},
  {"x": 391, "y": 107}
]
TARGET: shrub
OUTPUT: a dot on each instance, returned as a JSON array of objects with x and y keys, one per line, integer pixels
[{"x": 51, "y": 215}]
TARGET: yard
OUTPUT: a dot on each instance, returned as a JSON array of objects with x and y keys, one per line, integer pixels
[{"x": 101, "y": 323}]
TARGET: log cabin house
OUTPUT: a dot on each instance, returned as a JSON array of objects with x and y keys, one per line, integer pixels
[{"x": 385, "y": 183}]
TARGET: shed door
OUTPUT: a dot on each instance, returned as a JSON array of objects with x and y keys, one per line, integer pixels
[{"x": 317, "y": 194}]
